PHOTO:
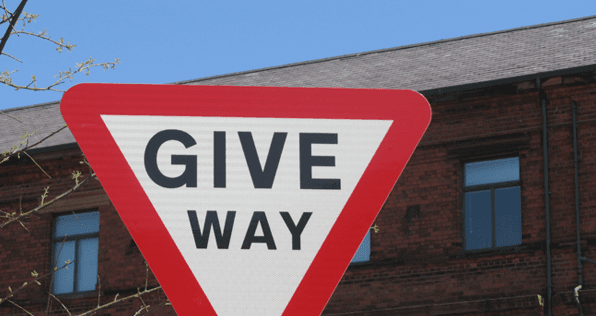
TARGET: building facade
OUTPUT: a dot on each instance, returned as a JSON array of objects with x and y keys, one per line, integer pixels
[{"x": 493, "y": 215}]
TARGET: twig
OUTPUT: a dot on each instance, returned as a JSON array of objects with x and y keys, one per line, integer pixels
[
  {"x": 13, "y": 21},
  {"x": 99, "y": 290},
  {"x": 142, "y": 301},
  {"x": 116, "y": 301},
  {"x": 18, "y": 151},
  {"x": 35, "y": 162},
  {"x": 62, "y": 75},
  {"x": 36, "y": 279},
  {"x": 17, "y": 218},
  {"x": 158, "y": 307},
  {"x": 63, "y": 306},
  {"x": 55, "y": 269},
  {"x": 17, "y": 305},
  {"x": 45, "y": 36},
  {"x": 12, "y": 117},
  {"x": 3, "y": 53}
]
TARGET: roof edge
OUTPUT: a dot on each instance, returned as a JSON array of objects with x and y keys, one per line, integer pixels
[
  {"x": 315, "y": 61},
  {"x": 63, "y": 146},
  {"x": 496, "y": 82},
  {"x": 29, "y": 106}
]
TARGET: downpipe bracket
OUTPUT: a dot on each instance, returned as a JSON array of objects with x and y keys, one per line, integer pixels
[{"x": 587, "y": 260}]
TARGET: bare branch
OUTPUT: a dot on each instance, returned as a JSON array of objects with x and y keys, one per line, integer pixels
[
  {"x": 59, "y": 301},
  {"x": 12, "y": 117},
  {"x": 17, "y": 305},
  {"x": 160, "y": 305},
  {"x": 35, "y": 162},
  {"x": 7, "y": 16},
  {"x": 17, "y": 218},
  {"x": 44, "y": 35},
  {"x": 13, "y": 20},
  {"x": 60, "y": 45},
  {"x": 98, "y": 290},
  {"x": 36, "y": 279},
  {"x": 7, "y": 154},
  {"x": 145, "y": 306},
  {"x": 28, "y": 18},
  {"x": 5, "y": 77},
  {"x": 118, "y": 300},
  {"x": 55, "y": 269},
  {"x": 62, "y": 76},
  {"x": 3, "y": 53}
]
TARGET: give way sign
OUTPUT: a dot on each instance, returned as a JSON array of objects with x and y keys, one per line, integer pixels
[{"x": 246, "y": 200}]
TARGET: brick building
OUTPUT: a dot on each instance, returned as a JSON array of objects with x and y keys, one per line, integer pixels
[{"x": 483, "y": 221}]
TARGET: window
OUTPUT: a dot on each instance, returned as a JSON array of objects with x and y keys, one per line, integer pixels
[
  {"x": 492, "y": 204},
  {"x": 363, "y": 252},
  {"x": 76, "y": 238}
]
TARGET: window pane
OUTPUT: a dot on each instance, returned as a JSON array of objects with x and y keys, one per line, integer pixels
[
  {"x": 82, "y": 223},
  {"x": 508, "y": 216},
  {"x": 492, "y": 171},
  {"x": 87, "y": 265},
  {"x": 363, "y": 252},
  {"x": 64, "y": 278},
  {"x": 478, "y": 220}
]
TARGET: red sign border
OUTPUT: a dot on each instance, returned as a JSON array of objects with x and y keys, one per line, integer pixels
[{"x": 82, "y": 105}]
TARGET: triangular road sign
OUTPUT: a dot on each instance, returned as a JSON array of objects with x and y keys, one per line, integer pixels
[{"x": 246, "y": 200}]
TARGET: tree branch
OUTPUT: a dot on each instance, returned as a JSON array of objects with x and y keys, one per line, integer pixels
[
  {"x": 17, "y": 151},
  {"x": 44, "y": 35},
  {"x": 3, "y": 53},
  {"x": 13, "y": 21},
  {"x": 62, "y": 75},
  {"x": 12, "y": 117},
  {"x": 14, "y": 218},
  {"x": 36, "y": 279},
  {"x": 116, "y": 301}
]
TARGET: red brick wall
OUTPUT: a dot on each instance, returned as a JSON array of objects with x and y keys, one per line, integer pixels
[
  {"x": 417, "y": 264},
  {"x": 121, "y": 266}
]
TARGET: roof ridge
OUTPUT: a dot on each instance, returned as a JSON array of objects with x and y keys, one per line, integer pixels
[
  {"x": 383, "y": 50},
  {"x": 29, "y": 106}
]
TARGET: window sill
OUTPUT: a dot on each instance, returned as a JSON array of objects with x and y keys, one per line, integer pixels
[
  {"x": 76, "y": 295},
  {"x": 497, "y": 251},
  {"x": 360, "y": 264}
]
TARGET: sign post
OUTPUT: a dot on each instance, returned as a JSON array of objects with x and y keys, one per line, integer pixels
[{"x": 246, "y": 200}]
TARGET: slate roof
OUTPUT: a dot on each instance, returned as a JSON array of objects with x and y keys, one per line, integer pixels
[
  {"x": 41, "y": 118},
  {"x": 469, "y": 61},
  {"x": 428, "y": 66}
]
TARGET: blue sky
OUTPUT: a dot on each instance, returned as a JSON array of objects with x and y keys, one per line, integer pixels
[{"x": 169, "y": 41}]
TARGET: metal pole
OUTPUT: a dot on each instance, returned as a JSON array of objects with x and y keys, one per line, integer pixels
[
  {"x": 546, "y": 205},
  {"x": 578, "y": 229}
]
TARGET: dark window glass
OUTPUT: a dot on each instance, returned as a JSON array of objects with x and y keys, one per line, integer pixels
[
  {"x": 77, "y": 224},
  {"x": 492, "y": 204},
  {"x": 64, "y": 278},
  {"x": 492, "y": 171},
  {"x": 507, "y": 216},
  {"x": 478, "y": 220},
  {"x": 76, "y": 241},
  {"x": 363, "y": 252}
]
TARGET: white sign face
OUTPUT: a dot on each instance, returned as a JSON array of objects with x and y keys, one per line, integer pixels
[{"x": 248, "y": 201}]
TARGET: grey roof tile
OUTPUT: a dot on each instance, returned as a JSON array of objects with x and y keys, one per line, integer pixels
[{"x": 41, "y": 118}]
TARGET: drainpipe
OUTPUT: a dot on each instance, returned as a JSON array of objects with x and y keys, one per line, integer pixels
[
  {"x": 578, "y": 230},
  {"x": 546, "y": 199}
]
